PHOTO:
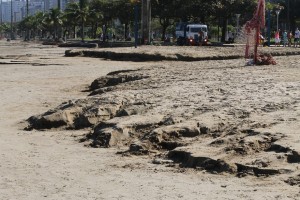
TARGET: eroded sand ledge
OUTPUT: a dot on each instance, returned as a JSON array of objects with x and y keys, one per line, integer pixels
[
  {"x": 219, "y": 116},
  {"x": 175, "y": 53}
]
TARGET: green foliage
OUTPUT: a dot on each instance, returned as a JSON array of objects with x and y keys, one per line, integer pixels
[
  {"x": 165, "y": 14},
  {"x": 5, "y": 27}
]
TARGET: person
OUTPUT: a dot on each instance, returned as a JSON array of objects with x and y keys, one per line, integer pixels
[
  {"x": 285, "y": 38},
  {"x": 101, "y": 37},
  {"x": 261, "y": 39},
  {"x": 230, "y": 37},
  {"x": 296, "y": 37},
  {"x": 290, "y": 36},
  {"x": 113, "y": 37},
  {"x": 201, "y": 34},
  {"x": 277, "y": 38}
]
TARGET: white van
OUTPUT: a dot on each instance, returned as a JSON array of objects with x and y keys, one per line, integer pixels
[{"x": 191, "y": 34}]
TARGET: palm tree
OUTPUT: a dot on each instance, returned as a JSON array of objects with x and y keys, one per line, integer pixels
[
  {"x": 70, "y": 16},
  {"x": 83, "y": 14},
  {"x": 53, "y": 19},
  {"x": 93, "y": 19},
  {"x": 78, "y": 12},
  {"x": 26, "y": 24},
  {"x": 106, "y": 8},
  {"x": 39, "y": 23},
  {"x": 33, "y": 23},
  {"x": 125, "y": 13}
]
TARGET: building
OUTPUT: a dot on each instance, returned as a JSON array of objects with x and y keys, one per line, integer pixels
[
  {"x": 19, "y": 8},
  {"x": 12, "y": 11}
]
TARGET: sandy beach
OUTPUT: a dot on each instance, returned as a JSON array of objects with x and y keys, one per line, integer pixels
[{"x": 244, "y": 121}]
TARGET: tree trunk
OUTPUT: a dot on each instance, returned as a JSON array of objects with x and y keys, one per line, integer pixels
[
  {"x": 82, "y": 30},
  {"x": 92, "y": 34},
  {"x": 292, "y": 16},
  {"x": 146, "y": 20},
  {"x": 164, "y": 30},
  {"x": 75, "y": 32},
  {"x": 55, "y": 32},
  {"x": 224, "y": 29},
  {"x": 95, "y": 31},
  {"x": 104, "y": 28},
  {"x": 125, "y": 31}
]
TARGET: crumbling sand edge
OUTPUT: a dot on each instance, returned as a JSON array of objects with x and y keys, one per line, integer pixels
[{"x": 146, "y": 57}]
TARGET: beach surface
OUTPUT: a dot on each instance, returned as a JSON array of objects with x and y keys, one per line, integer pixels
[{"x": 164, "y": 118}]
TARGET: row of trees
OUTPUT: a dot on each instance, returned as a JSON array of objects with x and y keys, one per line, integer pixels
[{"x": 96, "y": 14}]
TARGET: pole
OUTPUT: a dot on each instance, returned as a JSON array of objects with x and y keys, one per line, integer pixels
[
  {"x": 27, "y": 30},
  {"x": 277, "y": 13},
  {"x": 1, "y": 18},
  {"x": 288, "y": 15},
  {"x": 258, "y": 27},
  {"x": 136, "y": 24},
  {"x": 146, "y": 11},
  {"x": 27, "y": 8},
  {"x": 219, "y": 29},
  {"x": 277, "y": 20},
  {"x": 59, "y": 28},
  {"x": 11, "y": 20},
  {"x": 149, "y": 22},
  {"x": 256, "y": 43},
  {"x": 1, "y": 12},
  {"x": 269, "y": 27},
  {"x": 237, "y": 24}
]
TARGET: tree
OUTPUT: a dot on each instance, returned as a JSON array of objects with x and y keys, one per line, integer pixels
[
  {"x": 103, "y": 7},
  {"x": 83, "y": 14},
  {"x": 125, "y": 13},
  {"x": 71, "y": 16},
  {"x": 164, "y": 10},
  {"x": 225, "y": 9},
  {"x": 52, "y": 20},
  {"x": 195, "y": 10},
  {"x": 93, "y": 19},
  {"x": 33, "y": 23},
  {"x": 77, "y": 12}
]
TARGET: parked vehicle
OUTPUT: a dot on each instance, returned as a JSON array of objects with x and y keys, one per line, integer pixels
[{"x": 191, "y": 34}]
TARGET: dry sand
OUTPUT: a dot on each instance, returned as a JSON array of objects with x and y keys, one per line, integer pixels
[{"x": 52, "y": 164}]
